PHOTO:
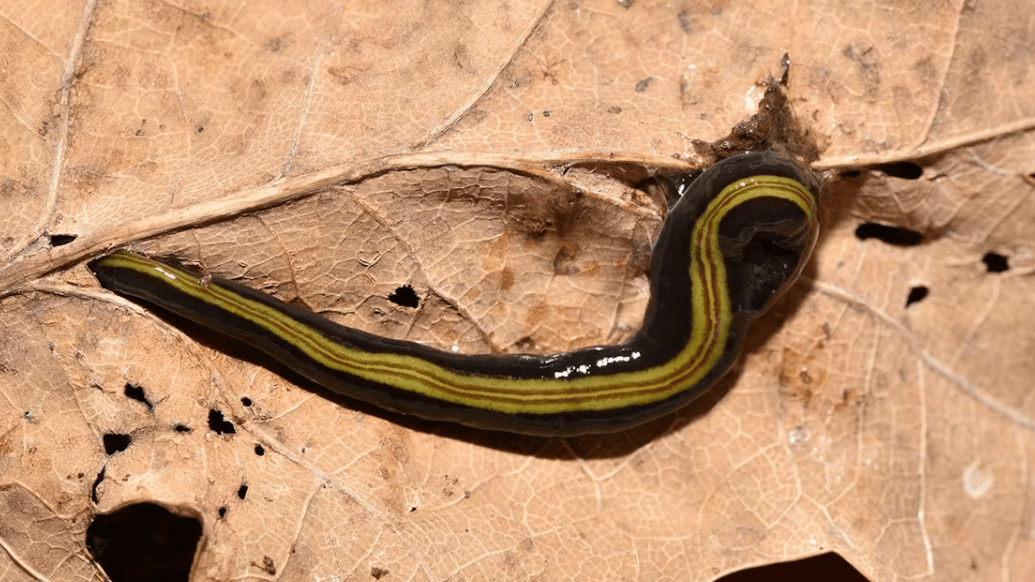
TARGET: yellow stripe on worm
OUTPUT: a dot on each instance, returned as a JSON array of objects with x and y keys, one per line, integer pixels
[{"x": 737, "y": 237}]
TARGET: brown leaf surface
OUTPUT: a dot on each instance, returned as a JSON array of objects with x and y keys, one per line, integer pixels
[{"x": 485, "y": 154}]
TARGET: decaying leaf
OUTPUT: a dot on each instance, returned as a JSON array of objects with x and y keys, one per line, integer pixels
[{"x": 490, "y": 156}]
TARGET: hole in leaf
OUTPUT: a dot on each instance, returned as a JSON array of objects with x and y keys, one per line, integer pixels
[
  {"x": 916, "y": 295},
  {"x": 222, "y": 512},
  {"x": 218, "y": 424},
  {"x": 995, "y": 263},
  {"x": 259, "y": 450},
  {"x": 246, "y": 401},
  {"x": 904, "y": 170},
  {"x": 893, "y": 235},
  {"x": 829, "y": 566},
  {"x": 181, "y": 428},
  {"x": 97, "y": 484},
  {"x": 116, "y": 443},
  {"x": 660, "y": 189},
  {"x": 137, "y": 393},
  {"x": 404, "y": 296},
  {"x": 144, "y": 541},
  {"x": 242, "y": 491},
  {"x": 57, "y": 240}
]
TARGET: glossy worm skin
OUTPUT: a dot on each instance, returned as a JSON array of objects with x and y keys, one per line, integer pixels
[{"x": 735, "y": 240}]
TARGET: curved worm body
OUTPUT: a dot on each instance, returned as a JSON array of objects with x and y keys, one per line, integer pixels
[{"x": 735, "y": 240}]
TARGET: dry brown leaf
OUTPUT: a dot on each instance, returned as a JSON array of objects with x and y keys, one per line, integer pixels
[{"x": 485, "y": 153}]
